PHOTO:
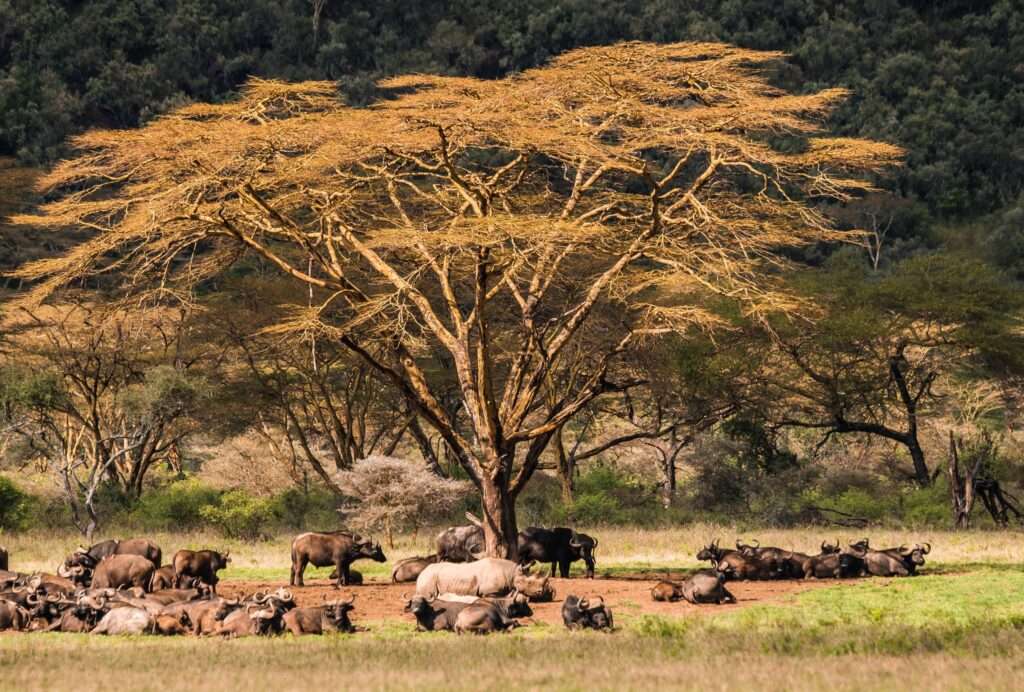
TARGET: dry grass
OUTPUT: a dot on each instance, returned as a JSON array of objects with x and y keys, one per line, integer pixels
[{"x": 624, "y": 661}]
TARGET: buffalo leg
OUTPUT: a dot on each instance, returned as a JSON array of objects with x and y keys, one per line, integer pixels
[
  {"x": 298, "y": 568},
  {"x": 343, "y": 575},
  {"x": 553, "y": 574},
  {"x": 563, "y": 568}
]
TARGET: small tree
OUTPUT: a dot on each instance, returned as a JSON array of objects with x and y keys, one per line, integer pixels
[{"x": 392, "y": 494}]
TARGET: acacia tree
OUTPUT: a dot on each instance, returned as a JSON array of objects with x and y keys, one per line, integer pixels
[
  {"x": 98, "y": 397},
  {"x": 480, "y": 223},
  {"x": 874, "y": 361}
]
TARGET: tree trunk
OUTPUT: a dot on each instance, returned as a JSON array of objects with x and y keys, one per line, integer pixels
[
  {"x": 566, "y": 469},
  {"x": 499, "y": 521},
  {"x": 668, "y": 491},
  {"x": 921, "y": 474}
]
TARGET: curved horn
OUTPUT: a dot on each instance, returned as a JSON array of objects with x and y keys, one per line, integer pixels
[
  {"x": 350, "y": 601},
  {"x": 601, "y": 604},
  {"x": 285, "y": 594},
  {"x": 64, "y": 571},
  {"x": 584, "y": 603},
  {"x": 926, "y": 548}
]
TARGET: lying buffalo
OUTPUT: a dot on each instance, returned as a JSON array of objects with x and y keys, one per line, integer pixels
[
  {"x": 338, "y": 548},
  {"x": 461, "y": 543},
  {"x": 163, "y": 578},
  {"x": 832, "y": 563},
  {"x": 736, "y": 564},
  {"x": 486, "y": 577},
  {"x": 134, "y": 621},
  {"x": 123, "y": 570},
  {"x": 560, "y": 546},
  {"x": 895, "y": 562},
  {"x": 409, "y": 569},
  {"x": 666, "y": 591},
  {"x": 329, "y": 617},
  {"x": 89, "y": 558},
  {"x": 578, "y": 613},
  {"x": 13, "y": 616},
  {"x": 706, "y": 586},
  {"x": 201, "y": 565},
  {"x": 434, "y": 614},
  {"x": 483, "y": 617}
]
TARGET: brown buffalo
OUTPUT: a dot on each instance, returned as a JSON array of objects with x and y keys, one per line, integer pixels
[
  {"x": 339, "y": 549},
  {"x": 123, "y": 570},
  {"x": 329, "y": 617},
  {"x": 199, "y": 564}
]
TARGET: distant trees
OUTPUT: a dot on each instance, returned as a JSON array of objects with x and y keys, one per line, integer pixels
[
  {"x": 941, "y": 80},
  {"x": 489, "y": 228},
  {"x": 97, "y": 397},
  {"x": 876, "y": 359}
]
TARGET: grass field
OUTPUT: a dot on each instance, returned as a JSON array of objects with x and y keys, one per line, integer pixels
[{"x": 959, "y": 626}]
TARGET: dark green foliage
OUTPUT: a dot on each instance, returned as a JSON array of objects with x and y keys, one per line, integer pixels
[
  {"x": 14, "y": 506},
  {"x": 942, "y": 79}
]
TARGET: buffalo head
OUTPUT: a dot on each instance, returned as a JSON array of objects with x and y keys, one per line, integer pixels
[{"x": 370, "y": 550}]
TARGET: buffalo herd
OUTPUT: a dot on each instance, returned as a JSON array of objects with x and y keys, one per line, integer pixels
[
  {"x": 122, "y": 587},
  {"x": 754, "y": 562}
]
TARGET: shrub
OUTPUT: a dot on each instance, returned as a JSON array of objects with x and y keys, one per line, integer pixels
[
  {"x": 241, "y": 515},
  {"x": 393, "y": 494},
  {"x": 300, "y": 509},
  {"x": 930, "y": 506},
  {"x": 15, "y": 505},
  {"x": 178, "y": 505}
]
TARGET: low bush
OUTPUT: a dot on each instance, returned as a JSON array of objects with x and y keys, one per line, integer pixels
[
  {"x": 177, "y": 505},
  {"x": 241, "y": 515}
]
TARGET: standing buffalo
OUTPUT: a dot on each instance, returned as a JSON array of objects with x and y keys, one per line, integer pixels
[
  {"x": 329, "y": 617},
  {"x": 202, "y": 565},
  {"x": 560, "y": 546},
  {"x": 89, "y": 558},
  {"x": 486, "y": 577},
  {"x": 123, "y": 570},
  {"x": 461, "y": 543},
  {"x": 409, "y": 569},
  {"x": 338, "y": 548}
]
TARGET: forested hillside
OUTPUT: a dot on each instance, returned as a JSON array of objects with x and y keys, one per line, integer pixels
[{"x": 945, "y": 80}]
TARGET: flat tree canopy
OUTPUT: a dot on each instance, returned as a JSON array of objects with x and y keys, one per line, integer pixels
[{"x": 523, "y": 234}]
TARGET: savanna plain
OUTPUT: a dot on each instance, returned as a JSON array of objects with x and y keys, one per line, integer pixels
[{"x": 959, "y": 625}]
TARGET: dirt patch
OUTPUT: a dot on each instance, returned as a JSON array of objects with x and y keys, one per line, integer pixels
[{"x": 625, "y": 595}]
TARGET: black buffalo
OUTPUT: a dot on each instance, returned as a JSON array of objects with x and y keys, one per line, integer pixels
[
  {"x": 560, "y": 546},
  {"x": 579, "y": 613},
  {"x": 461, "y": 543},
  {"x": 339, "y": 549},
  {"x": 3, "y": 558},
  {"x": 203, "y": 565}
]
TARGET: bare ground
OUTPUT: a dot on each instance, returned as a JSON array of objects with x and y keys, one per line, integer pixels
[{"x": 378, "y": 601}]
